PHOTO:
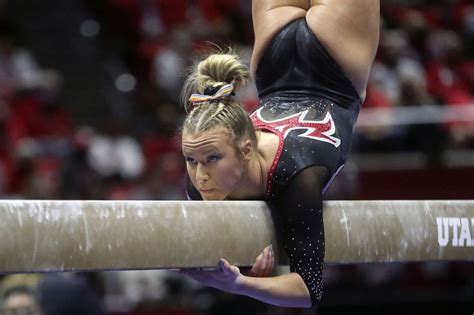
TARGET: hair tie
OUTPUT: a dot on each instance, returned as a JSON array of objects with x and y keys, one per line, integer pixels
[{"x": 224, "y": 91}]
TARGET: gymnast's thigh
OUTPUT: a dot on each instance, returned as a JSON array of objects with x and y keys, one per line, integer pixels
[
  {"x": 349, "y": 30},
  {"x": 269, "y": 17}
]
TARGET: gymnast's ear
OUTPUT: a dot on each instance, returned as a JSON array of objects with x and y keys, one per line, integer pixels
[{"x": 247, "y": 150}]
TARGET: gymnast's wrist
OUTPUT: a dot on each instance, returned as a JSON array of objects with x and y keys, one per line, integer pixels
[
  {"x": 241, "y": 285},
  {"x": 246, "y": 285}
]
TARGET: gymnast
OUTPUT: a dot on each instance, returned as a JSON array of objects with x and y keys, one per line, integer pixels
[{"x": 311, "y": 63}]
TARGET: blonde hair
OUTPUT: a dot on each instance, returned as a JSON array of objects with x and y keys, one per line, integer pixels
[{"x": 210, "y": 74}]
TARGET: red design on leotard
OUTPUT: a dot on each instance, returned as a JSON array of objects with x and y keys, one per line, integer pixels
[{"x": 321, "y": 130}]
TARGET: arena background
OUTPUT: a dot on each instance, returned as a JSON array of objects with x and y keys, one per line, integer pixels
[{"x": 89, "y": 110}]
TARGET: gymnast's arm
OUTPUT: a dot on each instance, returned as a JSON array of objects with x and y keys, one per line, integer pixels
[{"x": 299, "y": 216}]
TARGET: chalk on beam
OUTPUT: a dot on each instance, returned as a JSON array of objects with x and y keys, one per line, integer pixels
[{"x": 46, "y": 236}]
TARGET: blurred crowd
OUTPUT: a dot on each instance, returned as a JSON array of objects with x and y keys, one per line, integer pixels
[{"x": 426, "y": 57}]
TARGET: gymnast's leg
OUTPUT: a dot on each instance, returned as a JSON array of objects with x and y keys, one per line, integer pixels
[
  {"x": 269, "y": 16},
  {"x": 349, "y": 30}
]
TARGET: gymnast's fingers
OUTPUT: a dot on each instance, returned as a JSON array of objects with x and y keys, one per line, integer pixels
[
  {"x": 257, "y": 267},
  {"x": 268, "y": 261},
  {"x": 264, "y": 264}
]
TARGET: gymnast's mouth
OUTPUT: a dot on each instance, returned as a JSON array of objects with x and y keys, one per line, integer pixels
[{"x": 207, "y": 190}]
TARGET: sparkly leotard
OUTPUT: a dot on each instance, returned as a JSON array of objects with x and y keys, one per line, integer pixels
[{"x": 307, "y": 101}]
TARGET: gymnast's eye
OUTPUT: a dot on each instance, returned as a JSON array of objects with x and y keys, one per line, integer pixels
[
  {"x": 213, "y": 158},
  {"x": 191, "y": 161}
]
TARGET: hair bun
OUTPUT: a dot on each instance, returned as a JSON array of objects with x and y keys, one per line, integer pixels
[
  {"x": 214, "y": 72},
  {"x": 221, "y": 69}
]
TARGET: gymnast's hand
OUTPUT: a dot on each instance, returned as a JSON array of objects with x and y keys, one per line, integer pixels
[
  {"x": 264, "y": 264},
  {"x": 227, "y": 277}
]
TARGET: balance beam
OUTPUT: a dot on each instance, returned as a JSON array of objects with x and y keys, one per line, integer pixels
[{"x": 50, "y": 236}]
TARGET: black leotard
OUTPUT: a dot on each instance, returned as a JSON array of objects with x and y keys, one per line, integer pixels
[{"x": 307, "y": 101}]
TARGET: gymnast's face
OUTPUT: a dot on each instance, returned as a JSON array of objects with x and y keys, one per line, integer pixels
[{"x": 213, "y": 165}]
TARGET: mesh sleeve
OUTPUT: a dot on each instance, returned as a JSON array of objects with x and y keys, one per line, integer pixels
[{"x": 299, "y": 216}]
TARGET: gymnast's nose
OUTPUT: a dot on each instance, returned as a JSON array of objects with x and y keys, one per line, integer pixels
[{"x": 202, "y": 174}]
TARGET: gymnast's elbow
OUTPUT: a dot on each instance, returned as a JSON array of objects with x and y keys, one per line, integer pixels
[
  {"x": 313, "y": 293},
  {"x": 312, "y": 300},
  {"x": 306, "y": 302}
]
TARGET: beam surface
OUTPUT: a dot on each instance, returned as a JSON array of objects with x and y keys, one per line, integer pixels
[
  {"x": 46, "y": 236},
  {"x": 390, "y": 231}
]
